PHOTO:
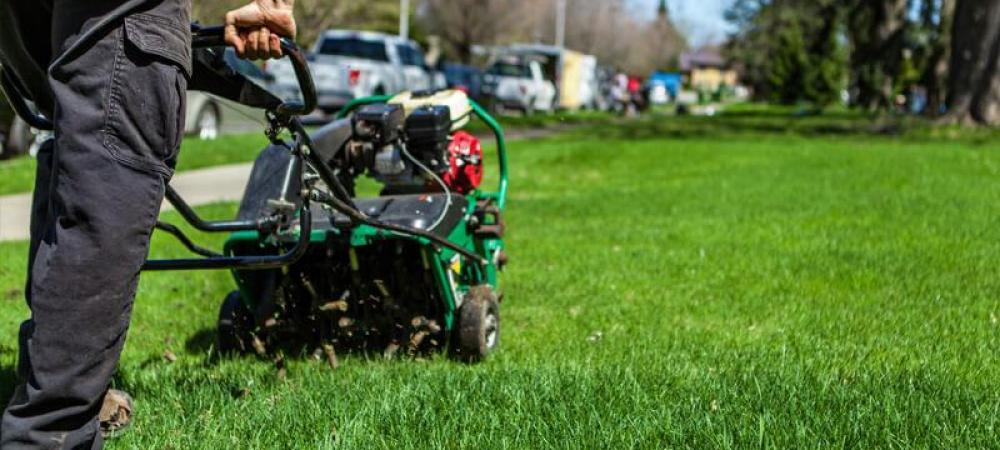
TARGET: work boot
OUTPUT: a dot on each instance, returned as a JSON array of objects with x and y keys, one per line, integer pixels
[{"x": 116, "y": 413}]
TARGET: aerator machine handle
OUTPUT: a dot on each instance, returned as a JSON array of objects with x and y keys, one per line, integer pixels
[
  {"x": 214, "y": 36},
  {"x": 202, "y": 37},
  {"x": 282, "y": 112}
]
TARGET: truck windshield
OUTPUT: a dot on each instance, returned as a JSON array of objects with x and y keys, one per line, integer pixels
[
  {"x": 510, "y": 70},
  {"x": 410, "y": 56},
  {"x": 354, "y": 48}
]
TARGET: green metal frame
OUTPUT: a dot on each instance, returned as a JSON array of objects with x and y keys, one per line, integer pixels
[{"x": 440, "y": 259}]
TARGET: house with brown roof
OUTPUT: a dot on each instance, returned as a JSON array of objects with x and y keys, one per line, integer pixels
[{"x": 706, "y": 69}]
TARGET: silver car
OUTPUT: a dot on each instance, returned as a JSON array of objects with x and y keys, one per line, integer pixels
[{"x": 209, "y": 116}]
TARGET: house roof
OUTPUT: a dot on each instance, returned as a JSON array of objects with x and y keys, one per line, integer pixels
[{"x": 703, "y": 57}]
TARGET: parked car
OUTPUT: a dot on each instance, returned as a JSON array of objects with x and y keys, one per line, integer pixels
[
  {"x": 465, "y": 78},
  {"x": 16, "y": 137},
  {"x": 353, "y": 64},
  {"x": 573, "y": 74},
  {"x": 519, "y": 84},
  {"x": 209, "y": 116}
]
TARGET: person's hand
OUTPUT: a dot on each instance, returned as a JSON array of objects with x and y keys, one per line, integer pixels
[{"x": 254, "y": 30}]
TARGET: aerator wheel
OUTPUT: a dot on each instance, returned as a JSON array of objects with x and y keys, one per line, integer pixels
[
  {"x": 478, "y": 330},
  {"x": 234, "y": 330}
]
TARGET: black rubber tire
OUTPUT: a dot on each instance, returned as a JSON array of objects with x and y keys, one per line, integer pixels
[
  {"x": 19, "y": 140},
  {"x": 478, "y": 318},
  {"x": 234, "y": 329}
]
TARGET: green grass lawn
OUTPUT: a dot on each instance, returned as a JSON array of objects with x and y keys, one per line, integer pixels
[{"x": 746, "y": 281}]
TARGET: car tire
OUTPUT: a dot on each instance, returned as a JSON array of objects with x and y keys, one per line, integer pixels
[
  {"x": 208, "y": 122},
  {"x": 18, "y": 141}
]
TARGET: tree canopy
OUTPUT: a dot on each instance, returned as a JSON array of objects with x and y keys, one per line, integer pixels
[{"x": 794, "y": 51}]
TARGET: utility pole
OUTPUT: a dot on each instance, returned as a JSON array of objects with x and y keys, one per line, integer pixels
[
  {"x": 561, "y": 23},
  {"x": 404, "y": 19}
]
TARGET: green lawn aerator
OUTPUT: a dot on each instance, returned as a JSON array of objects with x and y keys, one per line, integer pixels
[{"x": 409, "y": 271}]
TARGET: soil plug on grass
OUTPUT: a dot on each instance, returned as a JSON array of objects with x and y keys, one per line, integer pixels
[
  {"x": 416, "y": 340},
  {"x": 424, "y": 328},
  {"x": 339, "y": 305},
  {"x": 331, "y": 356},
  {"x": 259, "y": 347},
  {"x": 169, "y": 356},
  {"x": 390, "y": 350},
  {"x": 279, "y": 363}
]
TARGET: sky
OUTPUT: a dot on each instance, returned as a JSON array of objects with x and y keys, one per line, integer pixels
[{"x": 701, "y": 21}]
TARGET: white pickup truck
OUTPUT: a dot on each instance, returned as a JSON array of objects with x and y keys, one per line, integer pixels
[
  {"x": 520, "y": 85},
  {"x": 353, "y": 64}
]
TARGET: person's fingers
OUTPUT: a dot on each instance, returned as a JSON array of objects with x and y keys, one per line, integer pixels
[
  {"x": 249, "y": 16},
  {"x": 232, "y": 35},
  {"x": 253, "y": 44},
  {"x": 264, "y": 44},
  {"x": 280, "y": 21},
  {"x": 276, "y": 47},
  {"x": 255, "y": 31}
]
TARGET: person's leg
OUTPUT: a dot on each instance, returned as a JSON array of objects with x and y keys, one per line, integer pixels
[
  {"x": 39, "y": 218},
  {"x": 119, "y": 86}
]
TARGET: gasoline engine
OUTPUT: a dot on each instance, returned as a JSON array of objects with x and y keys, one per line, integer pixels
[{"x": 417, "y": 153}]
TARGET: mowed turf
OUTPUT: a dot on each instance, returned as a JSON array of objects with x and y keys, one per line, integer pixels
[{"x": 742, "y": 282}]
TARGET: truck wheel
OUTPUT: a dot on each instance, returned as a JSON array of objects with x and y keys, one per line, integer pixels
[
  {"x": 235, "y": 326},
  {"x": 478, "y": 328},
  {"x": 208, "y": 122}
]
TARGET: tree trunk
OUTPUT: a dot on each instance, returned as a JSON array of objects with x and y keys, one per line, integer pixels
[
  {"x": 974, "y": 82},
  {"x": 877, "y": 34},
  {"x": 936, "y": 73}
]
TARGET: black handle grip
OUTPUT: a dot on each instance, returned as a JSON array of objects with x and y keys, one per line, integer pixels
[{"x": 205, "y": 37}]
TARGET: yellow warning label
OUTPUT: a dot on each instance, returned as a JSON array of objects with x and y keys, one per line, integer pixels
[{"x": 354, "y": 259}]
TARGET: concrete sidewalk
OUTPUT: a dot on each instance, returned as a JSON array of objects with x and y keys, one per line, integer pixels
[{"x": 198, "y": 187}]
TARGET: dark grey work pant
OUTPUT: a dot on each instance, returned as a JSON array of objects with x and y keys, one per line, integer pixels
[{"x": 118, "y": 76}]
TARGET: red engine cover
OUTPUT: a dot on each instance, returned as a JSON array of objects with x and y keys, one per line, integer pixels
[{"x": 465, "y": 170}]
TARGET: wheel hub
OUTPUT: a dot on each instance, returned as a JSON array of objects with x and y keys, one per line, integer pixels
[{"x": 491, "y": 327}]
